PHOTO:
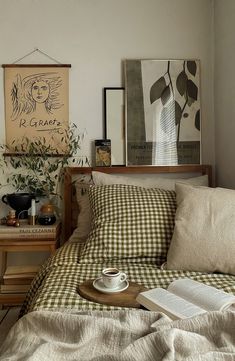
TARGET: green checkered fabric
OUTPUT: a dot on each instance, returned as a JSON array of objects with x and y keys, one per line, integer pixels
[
  {"x": 129, "y": 222},
  {"x": 56, "y": 285}
]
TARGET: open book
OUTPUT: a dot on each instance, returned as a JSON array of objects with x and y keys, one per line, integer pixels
[{"x": 186, "y": 298}]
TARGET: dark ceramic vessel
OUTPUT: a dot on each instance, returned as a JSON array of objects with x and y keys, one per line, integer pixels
[{"x": 20, "y": 202}]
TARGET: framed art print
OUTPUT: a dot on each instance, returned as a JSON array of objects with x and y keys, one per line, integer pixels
[
  {"x": 103, "y": 153},
  {"x": 36, "y": 103},
  {"x": 162, "y": 112}
]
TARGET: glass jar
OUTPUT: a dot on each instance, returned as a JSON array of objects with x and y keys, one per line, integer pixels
[{"x": 46, "y": 216}]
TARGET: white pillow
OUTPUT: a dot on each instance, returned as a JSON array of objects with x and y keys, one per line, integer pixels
[
  {"x": 146, "y": 181},
  {"x": 204, "y": 233}
]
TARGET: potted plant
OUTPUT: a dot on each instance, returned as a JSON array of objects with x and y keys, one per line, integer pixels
[{"x": 35, "y": 168}]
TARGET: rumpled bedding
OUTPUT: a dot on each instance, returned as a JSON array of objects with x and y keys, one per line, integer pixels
[{"x": 121, "y": 335}]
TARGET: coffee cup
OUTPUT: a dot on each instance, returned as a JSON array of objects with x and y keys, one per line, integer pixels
[{"x": 112, "y": 277}]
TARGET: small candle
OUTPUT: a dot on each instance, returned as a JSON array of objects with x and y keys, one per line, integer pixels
[{"x": 33, "y": 207}]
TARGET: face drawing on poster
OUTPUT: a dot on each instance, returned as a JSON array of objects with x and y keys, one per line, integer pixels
[{"x": 35, "y": 93}]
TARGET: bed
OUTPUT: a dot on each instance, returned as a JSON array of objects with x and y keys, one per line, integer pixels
[{"x": 67, "y": 325}]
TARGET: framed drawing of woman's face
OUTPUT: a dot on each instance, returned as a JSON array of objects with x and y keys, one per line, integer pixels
[{"x": 36, "y": 102}]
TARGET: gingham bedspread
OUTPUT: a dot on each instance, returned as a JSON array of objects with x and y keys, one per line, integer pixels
[{"x": 56, "y": 285}]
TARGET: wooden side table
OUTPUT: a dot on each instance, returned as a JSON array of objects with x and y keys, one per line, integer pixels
[{"x": 25, "y": 243}]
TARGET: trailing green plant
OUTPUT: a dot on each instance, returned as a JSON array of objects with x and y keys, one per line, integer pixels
[{"x": 36, "y": 165}]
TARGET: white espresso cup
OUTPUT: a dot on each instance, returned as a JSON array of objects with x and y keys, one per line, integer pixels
[{"x": 112, "y": 277}]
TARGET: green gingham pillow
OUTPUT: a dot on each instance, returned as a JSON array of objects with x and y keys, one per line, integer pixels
[{"x": 129, "y": 222}]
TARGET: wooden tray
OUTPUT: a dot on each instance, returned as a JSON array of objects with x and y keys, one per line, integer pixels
[{"x": 125, "y": 298}]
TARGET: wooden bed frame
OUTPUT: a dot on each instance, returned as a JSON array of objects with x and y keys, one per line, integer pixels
[{"x": 70, "y": 205}]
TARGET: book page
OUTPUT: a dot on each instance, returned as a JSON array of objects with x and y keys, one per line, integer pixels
[
  {"x": 207, "y": 297},
  {"x": 168, "y": 301}
]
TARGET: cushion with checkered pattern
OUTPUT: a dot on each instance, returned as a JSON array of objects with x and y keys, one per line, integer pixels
[{"x": 129, "y": 222}]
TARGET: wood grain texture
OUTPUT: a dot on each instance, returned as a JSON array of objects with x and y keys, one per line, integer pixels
[
  {"x": 24, "y": 244},
  {"x": 126, "y": 298},
  {"x": 36, "y": 65},
  {"x": 12, "y": 299}
]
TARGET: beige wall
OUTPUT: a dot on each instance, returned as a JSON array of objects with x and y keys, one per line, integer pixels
[
  {"x": 225, "y": 92},
  {"x": 95, "y": 36}
]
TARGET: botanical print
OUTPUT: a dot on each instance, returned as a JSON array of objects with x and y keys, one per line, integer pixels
[
  {"x": 163, "y": 112},
  {"x": 36, "y": 103}
]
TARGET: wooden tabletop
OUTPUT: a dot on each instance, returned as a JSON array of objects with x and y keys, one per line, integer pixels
[{"x": 125, "y": 298}]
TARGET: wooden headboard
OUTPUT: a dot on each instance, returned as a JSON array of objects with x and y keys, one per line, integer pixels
[{"x": 70, "y": 204}]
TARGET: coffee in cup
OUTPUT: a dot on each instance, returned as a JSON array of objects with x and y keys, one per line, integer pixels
[{"x": 112, "y": 277}]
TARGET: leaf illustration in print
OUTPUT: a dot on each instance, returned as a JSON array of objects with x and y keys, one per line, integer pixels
[
  {"x": 197, "y": 120},
  {"x": 178, "y": 113},
  {"x": 157, "y": 89},
  {"x": 181, "y": 83},
  {"x": 166, "y": 95},
  {"x": 192, "y": 90},
  {"x": 192, "y": 67}
]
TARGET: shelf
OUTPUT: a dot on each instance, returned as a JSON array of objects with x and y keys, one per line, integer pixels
[
  {"x": 24, "y": 238},
  {"x": 12, "y": 299}
]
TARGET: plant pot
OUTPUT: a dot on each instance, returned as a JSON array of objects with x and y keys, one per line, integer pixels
[{"x": 20, "y": 202}]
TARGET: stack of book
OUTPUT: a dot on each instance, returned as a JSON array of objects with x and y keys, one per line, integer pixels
[
  {"x": 28, "y": 231},
  {"x": 17, "y": 279}
]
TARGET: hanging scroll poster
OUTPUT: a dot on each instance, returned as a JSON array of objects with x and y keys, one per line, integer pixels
[{"x": 36, "y": 103}]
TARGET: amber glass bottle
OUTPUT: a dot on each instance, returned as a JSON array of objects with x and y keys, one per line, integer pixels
[{"x": 46, "y": 215}]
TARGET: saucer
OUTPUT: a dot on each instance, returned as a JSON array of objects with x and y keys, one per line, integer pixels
[{"x": 99, "y": 286}]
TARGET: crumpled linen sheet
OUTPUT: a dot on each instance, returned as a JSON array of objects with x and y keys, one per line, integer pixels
[{"x": 121, "y": 335}]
